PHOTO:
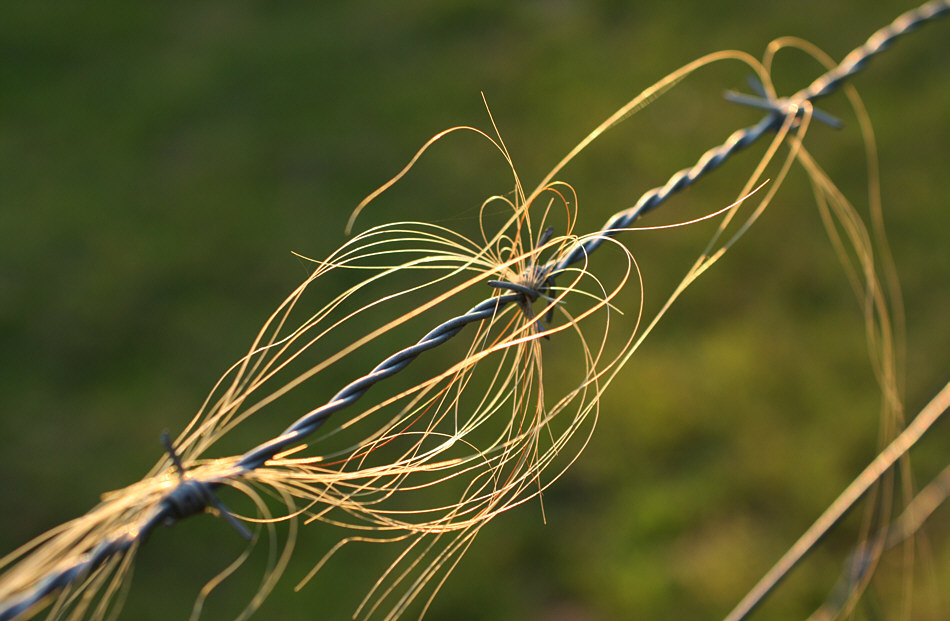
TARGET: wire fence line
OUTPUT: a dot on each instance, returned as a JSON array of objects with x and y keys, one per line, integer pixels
[{"x": 195, "y": 493}]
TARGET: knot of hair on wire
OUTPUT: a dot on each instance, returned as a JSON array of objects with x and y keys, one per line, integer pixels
[
  {"x": 535, "y": 281},
  {"x": 781, "y": 108},
  {"x": 191, "y": 496}
]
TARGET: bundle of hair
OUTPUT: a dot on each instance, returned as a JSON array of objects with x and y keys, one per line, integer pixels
[{"x": 437, "y": 450}]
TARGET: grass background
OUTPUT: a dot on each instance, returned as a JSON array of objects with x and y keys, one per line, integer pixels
[{"x": 158, "y": 163}]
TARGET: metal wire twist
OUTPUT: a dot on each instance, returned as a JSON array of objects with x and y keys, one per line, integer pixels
[
  {"x": 312, "y": 421},
  {"x": 201, "y": 497},
  {"x": 112, "y": 546},
  {"x": 856, "y": 60},
  {"x": 876, "y": 43},
  {"x": 683, "y": 179}
]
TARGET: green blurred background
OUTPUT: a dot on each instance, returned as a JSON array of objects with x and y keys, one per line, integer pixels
[{"x": 160, "y": 161}]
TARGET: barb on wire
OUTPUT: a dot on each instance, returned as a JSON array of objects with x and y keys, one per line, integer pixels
[
  {"x": 781, "y": 108},
  {"x": 534, "y": 282},
  {"x": 106, "y": 537},
  {"x": 192, "y": 497}
]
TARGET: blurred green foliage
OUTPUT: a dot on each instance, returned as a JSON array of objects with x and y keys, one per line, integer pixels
[{"x": 159, "y": 161}]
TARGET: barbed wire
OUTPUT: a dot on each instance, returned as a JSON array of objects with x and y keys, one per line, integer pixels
[{"x": 195, "y": 493}]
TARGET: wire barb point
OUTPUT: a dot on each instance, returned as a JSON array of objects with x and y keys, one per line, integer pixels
[
  {"x": 192, "y": 496},
  {"x": 780, "y": 107},
  {"x": 534, "y": 282}
]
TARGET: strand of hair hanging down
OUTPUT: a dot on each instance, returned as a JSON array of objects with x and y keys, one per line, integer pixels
[{"x": 170, "y": 510}]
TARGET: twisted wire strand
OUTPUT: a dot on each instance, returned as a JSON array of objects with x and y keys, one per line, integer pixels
[
  {"x": 170, "y": 509},
  {"x": 115, "y": 545},
  {"x": 684, "y": 178},
  {"x": 876, "y": 43},
  {"x": 310, "y": 422},
  {"x": 779, "y": 111}
]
